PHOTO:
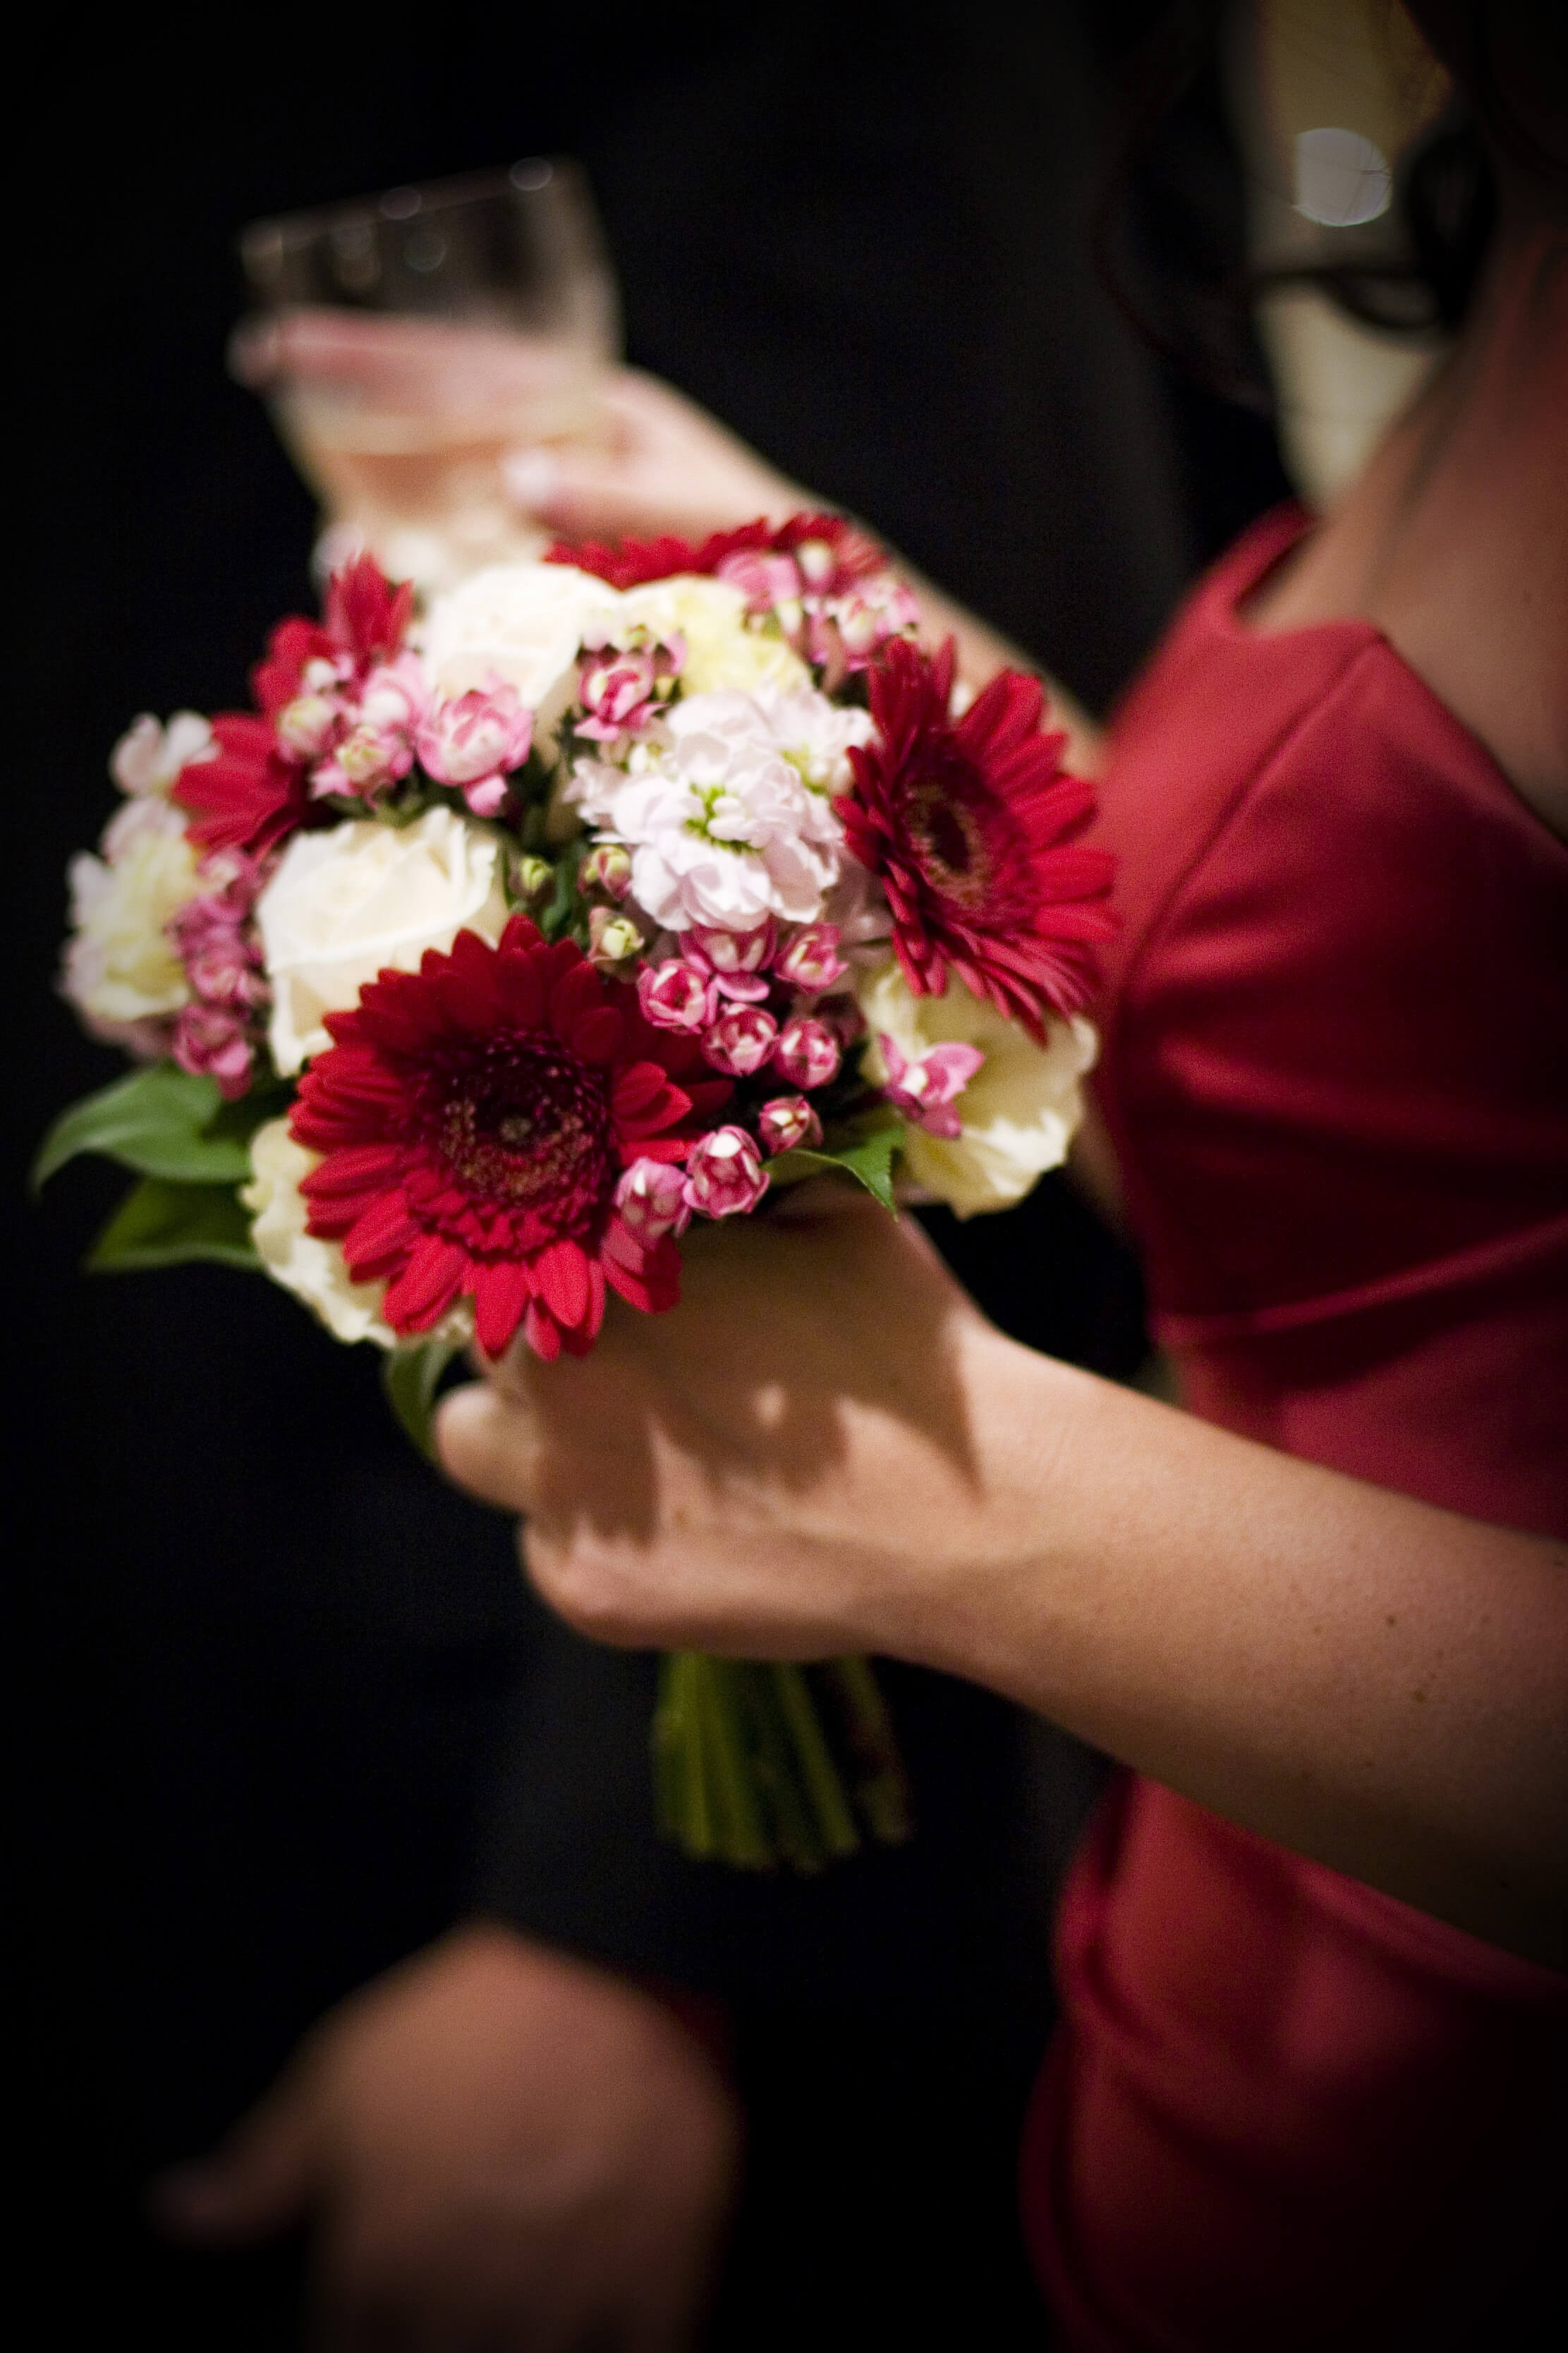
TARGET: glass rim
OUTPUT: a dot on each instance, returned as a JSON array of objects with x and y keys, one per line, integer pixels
[{"x": 282, "y": 233}]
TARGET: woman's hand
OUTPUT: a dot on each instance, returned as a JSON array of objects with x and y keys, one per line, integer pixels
[
  {"x": 827, "y": 1448},
  {"x": 661, "y": 464},
  {"x": 786, "y": 1465}
]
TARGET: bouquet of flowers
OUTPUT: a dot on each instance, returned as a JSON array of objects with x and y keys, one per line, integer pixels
[{"x": 501, "y": 940}]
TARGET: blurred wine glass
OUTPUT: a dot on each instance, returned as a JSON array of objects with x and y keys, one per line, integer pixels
[{"x": 406, "y": 341}]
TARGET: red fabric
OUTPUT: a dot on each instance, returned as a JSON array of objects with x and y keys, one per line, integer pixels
[{"x": 1284, "y": 2110}]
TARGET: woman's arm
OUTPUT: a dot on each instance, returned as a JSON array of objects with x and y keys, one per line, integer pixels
[{"x": 827, "y": 1446}]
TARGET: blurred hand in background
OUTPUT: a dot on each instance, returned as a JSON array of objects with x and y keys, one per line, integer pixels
[{"x": 495, "y": 2145}]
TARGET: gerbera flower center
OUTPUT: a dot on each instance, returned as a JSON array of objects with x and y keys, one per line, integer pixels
[
  {"x": 523, "y": 1124},
  {"x": 959, "y": 839}
]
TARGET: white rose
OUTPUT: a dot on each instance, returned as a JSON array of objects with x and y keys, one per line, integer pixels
[
  {"x": 524, "y": 624},
  {"x": 720, "y": 650},
  {"x": 345, "y": 904},
  {"x": 313, "y": 1270},
  {"x": 1018, "y": 1110},
  {"x": 120, "y": 967}
]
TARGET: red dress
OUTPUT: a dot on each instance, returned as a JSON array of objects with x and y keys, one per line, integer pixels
[{"x": 1284, "y": 2110}]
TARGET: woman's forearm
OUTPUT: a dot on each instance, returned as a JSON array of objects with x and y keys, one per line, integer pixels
[{"x": 1374, "y": 1681}]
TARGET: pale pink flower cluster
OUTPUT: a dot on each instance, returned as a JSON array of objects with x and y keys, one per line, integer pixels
[
  {"x": 361, "y": 741},
  {"x": 218, "y": 1032},
  {"x": 723, "y": 828}
]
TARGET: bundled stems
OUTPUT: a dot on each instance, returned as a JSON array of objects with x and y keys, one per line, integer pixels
[{"x": 763, "y": 1764}]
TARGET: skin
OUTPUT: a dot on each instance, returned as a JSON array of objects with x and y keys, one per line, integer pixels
[{"x": 500, "y": 2149}]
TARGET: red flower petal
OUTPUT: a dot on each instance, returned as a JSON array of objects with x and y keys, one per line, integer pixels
[
  {"x": 427, "y": 1286},
  {"x": 501, "y": 1292}
]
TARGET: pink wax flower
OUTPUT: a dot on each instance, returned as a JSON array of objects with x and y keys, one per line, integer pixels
[
  {"x": 676, "y": 996},
  {"x": 214, "y": 1044},
  {"x": 606, "y": 868},
  {"x": 787, "y": 1123},
  {"x": 812, "y": 962},
  {"x": 724, "y": 1175},
  {"x": 651, "y": 1199},
  {"x": 741, "y": 1040},
  {"x": 926, "y": 1089},
  {"x": 472, "y": 742},
  {"x": 807, "y": 1052},
  {"x": 736, "y": 962},
  {"x": 617, "y": 692}
]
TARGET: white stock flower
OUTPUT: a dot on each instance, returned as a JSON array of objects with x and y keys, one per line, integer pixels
[
  {"x": 346, "y": 903},
  {"x": 522, "y": 624},
  {"x": 815, "y": 735},
  {"x": 1019, "y": 1110},
  {"x": 148, "y": 758},
  {"x": 120, "y": 967},
  {"x": 720, "y": 650},
  {"x": 722, "y": 828},
  {"x": 313, "y": 1270}
]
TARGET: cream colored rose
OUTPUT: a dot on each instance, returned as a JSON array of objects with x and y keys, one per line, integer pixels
[
  {"x": 720, "y": 650},
  {"x": 345, "y": 904},
  {"x": 1018, "y": 1110},
  {"x": 120, "y": 966},
  {"x": 311, "y": 1269},
  {"x": 524, "y": 624}
]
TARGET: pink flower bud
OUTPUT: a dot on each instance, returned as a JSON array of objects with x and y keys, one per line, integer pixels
[
  {"x": 741, "y": 1040},
  {"x": 651, "y": 1199},
  {"x": 489, "y": 797},
  {"x": 736, "y": 961},
  {"x": 724, "y": 1175},
  {"x": 764, "y": 579},
  {"x": 475, "y": 736},
  {"x": 808, "y": 1052},
  {"x": 212, "y": 1044},
  {"x": 787, "y": 1123},
  {"x": 534, "y": 881},
  {"x": 366, "y": 761},
  {"x": 926, "y": 1089},
  {"x": 608, "y": 868},
  {"x": 674, "y": 996},
  {"x": 812, "y": 961},
  {"x": 304, "y": 727},
  {"x": 616, "y": 693},
  {"x": 612, "y": 938}
]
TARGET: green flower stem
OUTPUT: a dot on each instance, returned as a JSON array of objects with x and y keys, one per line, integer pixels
[
  {"x": 741, "y": 1837},
  {"x": 881, "y": 1786},
  {"x": 745, "y": 1770},
  {"x": 798, "y": 1843},
  {"x": 824, "y": 1787}
]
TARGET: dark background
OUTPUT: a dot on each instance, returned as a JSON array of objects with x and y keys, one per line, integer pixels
[{"x": 283, "y": 1706}]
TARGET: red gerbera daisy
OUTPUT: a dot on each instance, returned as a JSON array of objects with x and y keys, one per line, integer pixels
[
  {"x": 971, "y": 826},
  {"x": 254, "y": 793},
  {"x": 475, "y": 1116},
  {"x": 636, "y": 561}
]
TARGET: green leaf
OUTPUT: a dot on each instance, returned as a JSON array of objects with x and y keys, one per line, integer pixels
[
  {"x": 868, "y": 1157},
  {"x": 160, "y": 1224},
  {"x": 410, "y": 1377},
  {"x": 157, "y": 1122}
]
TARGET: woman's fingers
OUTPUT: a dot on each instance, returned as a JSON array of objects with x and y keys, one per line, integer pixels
[{"x": 486, "y": 1443}]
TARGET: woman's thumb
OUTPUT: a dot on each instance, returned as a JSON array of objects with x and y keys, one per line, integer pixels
[{"x": 254, "y": 2184}]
